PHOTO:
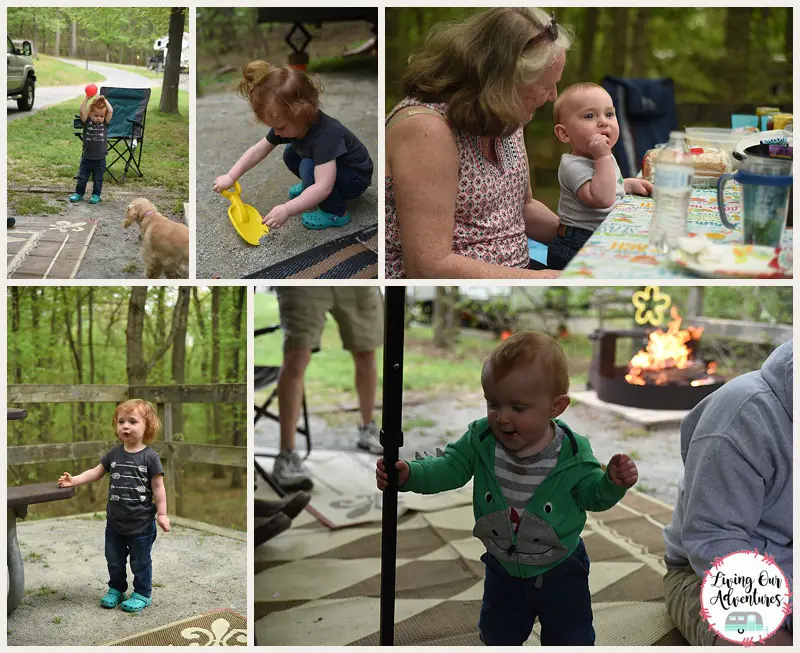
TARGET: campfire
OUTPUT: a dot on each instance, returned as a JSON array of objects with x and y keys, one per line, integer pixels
[{"x": 669, "y": 358}]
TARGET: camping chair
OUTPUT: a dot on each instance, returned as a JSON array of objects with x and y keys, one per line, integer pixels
[
  {"x": 646, "y": 114},
  {"x": 265, "y": 377},
  {"x": 126, "y": 129}
]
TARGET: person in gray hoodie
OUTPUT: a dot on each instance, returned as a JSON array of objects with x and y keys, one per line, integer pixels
[{"x": 736, "y": 492}]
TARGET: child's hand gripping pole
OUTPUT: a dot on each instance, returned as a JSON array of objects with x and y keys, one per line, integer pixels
[{"x": 391, "y": 440}]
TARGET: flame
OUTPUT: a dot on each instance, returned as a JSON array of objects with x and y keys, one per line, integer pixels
[{"x": 666, "y": 350}]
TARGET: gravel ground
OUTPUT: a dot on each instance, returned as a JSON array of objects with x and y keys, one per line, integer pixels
[
  {"x": 435, "y": 422},
  {"x": 226, "y": 128},
  {"x": 194, "y": 571}
]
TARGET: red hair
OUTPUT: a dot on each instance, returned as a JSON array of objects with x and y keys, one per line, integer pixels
[
  {"x": 279, "y": 91},
  {"x": 152, "y": 425}
]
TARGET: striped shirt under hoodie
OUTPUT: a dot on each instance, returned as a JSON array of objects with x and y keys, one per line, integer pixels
[{"x": 519, "y": 477}]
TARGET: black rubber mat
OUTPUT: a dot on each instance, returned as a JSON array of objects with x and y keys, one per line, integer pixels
[{"x": 354, "y": 256}]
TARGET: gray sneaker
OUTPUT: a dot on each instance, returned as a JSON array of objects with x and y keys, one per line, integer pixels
[
  {"x": 290, "y": 474},
  {"x": 369, "y": 438}
]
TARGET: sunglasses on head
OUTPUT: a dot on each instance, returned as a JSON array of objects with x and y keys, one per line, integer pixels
[{"x": 550, "y": 32}]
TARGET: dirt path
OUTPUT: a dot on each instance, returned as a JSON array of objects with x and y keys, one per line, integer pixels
[
  {"x": 97, "y": 248},
  {"x": 435, "y": 422},
  {"x": 225, "y": 129}
]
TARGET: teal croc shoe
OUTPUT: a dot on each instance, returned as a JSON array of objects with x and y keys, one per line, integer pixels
[
  {"x": 296, "y": 190},
  {"x": 136, "y": 603},
  {"x": 112, "y": 598},
  {"x": 95, "y": 199},
  {"x": 320, "y": 219},
  {"x": 76, "y": 198}
]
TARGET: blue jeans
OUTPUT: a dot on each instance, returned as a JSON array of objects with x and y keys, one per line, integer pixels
[
  {"x": 348, "y": 184},
  {"x": 563, "y": 248},
  {"x": 94, "y": 168},
  {"x": 562, "y": 603},
  {"x": 138, "y": 546}
]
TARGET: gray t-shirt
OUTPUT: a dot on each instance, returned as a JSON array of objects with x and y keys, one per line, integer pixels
[
  {"x": 573, "y": 172},
  {"x": 328, "y": 139},
  {"x": 95, "y": 140},
  {"x": 130, "y": 509}
]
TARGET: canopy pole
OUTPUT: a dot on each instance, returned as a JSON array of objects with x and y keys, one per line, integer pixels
[{"x": 391, "y": 440}]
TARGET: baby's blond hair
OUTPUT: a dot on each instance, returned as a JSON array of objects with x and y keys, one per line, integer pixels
[
  {"x": 535, "y": 349},
  {"x": 566, "y": 94}
]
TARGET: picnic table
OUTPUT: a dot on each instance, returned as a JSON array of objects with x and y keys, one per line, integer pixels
[
  {"x": 619, "y": 249},
  {"x": 17, "y": 501}
]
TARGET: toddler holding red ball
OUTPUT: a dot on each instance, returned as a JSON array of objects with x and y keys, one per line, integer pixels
[{"x": 95, "y": 118}]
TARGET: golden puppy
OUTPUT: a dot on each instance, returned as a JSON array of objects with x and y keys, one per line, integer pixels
[{"x": 165, "y": 244}]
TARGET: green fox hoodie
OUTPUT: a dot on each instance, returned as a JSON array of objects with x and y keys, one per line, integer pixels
[{"x": 550, "y": 526}]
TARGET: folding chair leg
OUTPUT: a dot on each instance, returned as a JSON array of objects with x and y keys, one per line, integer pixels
[{"x": 263, "y": 474}]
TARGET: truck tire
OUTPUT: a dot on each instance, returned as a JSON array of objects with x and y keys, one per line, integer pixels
[{"x": 25, "y": 103}]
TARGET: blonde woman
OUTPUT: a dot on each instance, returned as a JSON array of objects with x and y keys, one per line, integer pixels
[{"x": 458, "y": 195}]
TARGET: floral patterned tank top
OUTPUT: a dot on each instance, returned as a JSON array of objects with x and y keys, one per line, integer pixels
[{"x": 488, "y": 219}]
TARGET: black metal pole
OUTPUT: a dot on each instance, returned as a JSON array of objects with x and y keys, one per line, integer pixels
[{"x": 392, "y": 440}]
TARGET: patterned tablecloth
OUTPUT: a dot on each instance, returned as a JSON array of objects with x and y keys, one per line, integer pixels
[{"x": 619, "y": 248}]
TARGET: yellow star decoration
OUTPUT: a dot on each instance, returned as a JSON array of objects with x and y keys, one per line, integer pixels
[{"x": 651, "y": 305}]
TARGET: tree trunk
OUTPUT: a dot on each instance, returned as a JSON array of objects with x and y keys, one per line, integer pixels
[
  {"x": 57, "y": 48},
  {"x": 234, "y": 376},
  {"x": 737, "y": 47},
  {"x": 135, "y": 364},
  {"x": 444, "y": 333},
  {"x": 179, "y": 354},
  {"x": 619, "y": 44},
  {"x": 90, "y": 341},
  {"x": 587, "y": 43},
  {"x": 219, "y": 470},
  {"x": 73, "y": 39},
  {"x": 172, "y": 68},
  {"x": 640, "y": 48}
]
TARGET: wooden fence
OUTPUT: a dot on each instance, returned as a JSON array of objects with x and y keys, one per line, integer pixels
[{"x": 174, "y": 454}]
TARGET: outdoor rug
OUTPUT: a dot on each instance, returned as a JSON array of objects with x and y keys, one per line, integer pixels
[
  {"x": 222, "y": 627},
  {"x": 316, "y": 586},
  {"x": 345, "y": 493},
  {"x": 47, "y": 247},
  {"x": 350, "y": 257}
]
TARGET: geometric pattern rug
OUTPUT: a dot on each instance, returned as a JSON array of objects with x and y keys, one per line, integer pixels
[
  {"x": 319, "y": 587},
  {"x": 222, "y": 627},
  {"x": 344, "y": 493}
]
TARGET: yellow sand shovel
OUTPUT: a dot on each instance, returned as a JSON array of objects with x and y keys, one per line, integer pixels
[{"x": 245, "y": 218}]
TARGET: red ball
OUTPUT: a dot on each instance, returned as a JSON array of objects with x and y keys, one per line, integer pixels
[{"x": 91, "y": 90}]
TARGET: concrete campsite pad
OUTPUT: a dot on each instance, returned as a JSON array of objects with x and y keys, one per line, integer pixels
[
  {"x": 226, "y": 128},
  {"x": 196, "y": 568},
  {"x": 84, "y": 241}
]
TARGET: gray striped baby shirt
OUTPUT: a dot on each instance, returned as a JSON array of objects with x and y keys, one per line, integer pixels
[{"x": 519, "y": 477}]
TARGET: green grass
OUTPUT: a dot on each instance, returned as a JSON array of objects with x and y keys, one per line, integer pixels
[
  {"x": 426, "y": 369},
  {"x": 139, "y": 70},
  {"x": 57, "y": 620},
  {"x": 29, "y": 204},
  {"x": 343, "y": 64},
  {"x": 52, "y": 72},
  {"x": 43, "y": 150}
]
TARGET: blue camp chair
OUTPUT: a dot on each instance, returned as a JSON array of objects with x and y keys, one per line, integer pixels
[
  {"x": 126, "y": 129},
  {"x": 646, "y": 114}
]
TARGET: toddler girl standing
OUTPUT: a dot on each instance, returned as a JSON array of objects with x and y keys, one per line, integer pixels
[{"x": 136, "y": 496}]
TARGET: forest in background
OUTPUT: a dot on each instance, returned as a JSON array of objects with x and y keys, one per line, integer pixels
[
  {"x": 722, "y": 60},
  {"x": 112, "y": 34},
  {"x": 130, "y": 336}
]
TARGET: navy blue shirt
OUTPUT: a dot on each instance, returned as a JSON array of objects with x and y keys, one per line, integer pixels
[
  {"x": 326, "y": 140},
  {"x": 130, "y": 509}
]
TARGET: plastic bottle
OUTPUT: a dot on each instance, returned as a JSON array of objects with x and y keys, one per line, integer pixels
[{"x": 672, "y": 189}]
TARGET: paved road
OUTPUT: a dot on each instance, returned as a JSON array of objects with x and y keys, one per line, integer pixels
[{"x": 49, "y": 95}]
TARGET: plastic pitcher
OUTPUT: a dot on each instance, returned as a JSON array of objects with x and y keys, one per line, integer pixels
[{"x": 766, "y": 192}]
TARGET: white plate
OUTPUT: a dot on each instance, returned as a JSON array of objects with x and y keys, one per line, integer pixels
[{"x": 701, "y": 257}]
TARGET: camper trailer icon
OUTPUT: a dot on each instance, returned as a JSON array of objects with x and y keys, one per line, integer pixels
[{"x": 743, "y": 622}]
